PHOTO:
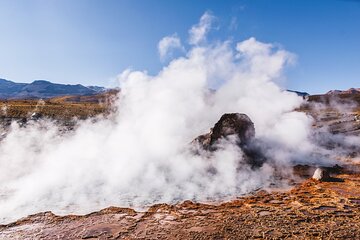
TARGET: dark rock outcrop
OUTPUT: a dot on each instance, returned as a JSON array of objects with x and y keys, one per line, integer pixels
[{"x": 230, "y": 125}]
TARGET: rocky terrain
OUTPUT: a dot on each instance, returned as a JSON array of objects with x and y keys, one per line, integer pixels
[
  {"x": 328, "y": 208},
  {"x": 336, "y": 113}
]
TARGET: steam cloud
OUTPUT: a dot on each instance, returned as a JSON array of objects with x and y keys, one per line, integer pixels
[
  {"x": 141, "y": 155},
  {"x": 168, "y": 44}
]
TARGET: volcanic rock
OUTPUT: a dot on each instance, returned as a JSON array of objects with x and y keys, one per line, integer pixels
[
  {"x": 230, "y": 124},
  {"x": 236, "y": 125}
]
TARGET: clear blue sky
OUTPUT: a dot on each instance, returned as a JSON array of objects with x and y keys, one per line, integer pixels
[{"x": 91, "y": 41}]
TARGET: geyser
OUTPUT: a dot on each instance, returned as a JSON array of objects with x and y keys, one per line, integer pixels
[{"x": 141, "y": 154}]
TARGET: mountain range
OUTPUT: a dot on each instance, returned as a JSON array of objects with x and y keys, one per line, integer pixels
[
  {"x": 46, "y": 89},
  {"x": 43, "y": 89}
]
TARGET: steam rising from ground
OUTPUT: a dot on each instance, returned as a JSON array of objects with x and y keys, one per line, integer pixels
[{"x": 141, "y": 154}]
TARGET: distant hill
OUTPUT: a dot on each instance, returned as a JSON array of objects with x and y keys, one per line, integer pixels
[
  {"x": 350, "y": 96},
  {"x": 43, "y": 89},
  {"x": 97, "y": 88},
  {"x": 349, "y": 91},
  {"x": 102, "y": 97},
  {"x": 300, "y": 94}
]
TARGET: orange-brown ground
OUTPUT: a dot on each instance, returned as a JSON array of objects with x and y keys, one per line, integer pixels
[
  {"x": 59, "y": 108},
  {"x": 311, "y": 210}
]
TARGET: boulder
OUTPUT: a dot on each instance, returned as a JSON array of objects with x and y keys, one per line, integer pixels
[
  {"x": 230, "y": 124},
  {"x": 321, "y": 174}
]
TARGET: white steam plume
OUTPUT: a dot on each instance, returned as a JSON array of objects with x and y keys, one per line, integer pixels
[
  {"x": 142, "y": 155},
  {"x": 198, "y": 32},
  {"x": 169, "y": 44}
]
